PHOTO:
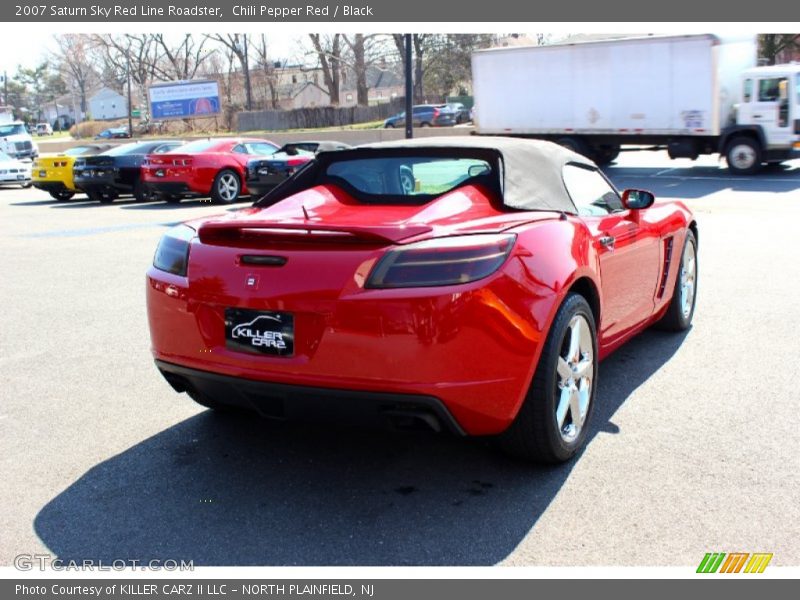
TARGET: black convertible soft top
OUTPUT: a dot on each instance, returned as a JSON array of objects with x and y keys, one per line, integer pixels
[{"x": 530, "y": 169}]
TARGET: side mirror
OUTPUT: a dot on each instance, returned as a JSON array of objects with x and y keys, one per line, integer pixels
[{"x": 637, "y": 199}]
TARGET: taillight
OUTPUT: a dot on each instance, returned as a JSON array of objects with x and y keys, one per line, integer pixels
[
  {"x": 172, "y": 254},
  {"x": 435, "y": 112},
  {"x": 442, "y": 261}
]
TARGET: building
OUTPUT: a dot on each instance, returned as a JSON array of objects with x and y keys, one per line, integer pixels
[{"x": 106, "y": 104}]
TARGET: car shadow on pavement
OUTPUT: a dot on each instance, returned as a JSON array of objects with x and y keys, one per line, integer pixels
[
  {"x": 236, "y": 490},
  {"x": 700, "y": 181}
]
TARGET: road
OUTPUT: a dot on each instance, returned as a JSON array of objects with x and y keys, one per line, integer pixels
[{"x": 694, "y": 447}]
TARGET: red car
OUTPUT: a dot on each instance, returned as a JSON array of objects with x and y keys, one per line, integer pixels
[
  {"x": 469, "y": 285},
  {"x": 210, "y": 167}
]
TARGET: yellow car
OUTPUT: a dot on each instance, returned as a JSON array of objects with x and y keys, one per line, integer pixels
[{"x": 53, "y": 172}]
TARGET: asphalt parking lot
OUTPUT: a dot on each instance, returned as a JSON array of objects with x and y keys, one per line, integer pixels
[{"x": 694, "y": 448}]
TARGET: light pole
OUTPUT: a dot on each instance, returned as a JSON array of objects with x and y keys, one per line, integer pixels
[
  {"x": 130, "y": 107},
  {"x": 409, "y": 90}
]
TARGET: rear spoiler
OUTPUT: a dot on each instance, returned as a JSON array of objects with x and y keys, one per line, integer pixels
[{"x": 306, "y": 231}]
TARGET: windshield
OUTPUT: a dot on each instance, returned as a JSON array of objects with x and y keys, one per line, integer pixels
[
  {"x": 193, "y": 147},
  {"x": 420, "y": 176},
  {"x": 129, "y": 149},
  {"x": 77, "y": 151},
  {"x": 13, "y": 129}
]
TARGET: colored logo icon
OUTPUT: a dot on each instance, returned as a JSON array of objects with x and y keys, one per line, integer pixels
[{"x": 734, "y": 562}]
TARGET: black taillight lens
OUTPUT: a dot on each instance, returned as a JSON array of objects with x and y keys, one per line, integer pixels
[
  {"x": 442, "y": 261},
  {"x": 172, "y": 254}
]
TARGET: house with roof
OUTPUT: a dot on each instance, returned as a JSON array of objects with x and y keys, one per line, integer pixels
[{"x": 107, "y": 104}]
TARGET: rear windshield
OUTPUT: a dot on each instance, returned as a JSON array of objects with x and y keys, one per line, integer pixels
[
  {"x": 132, "y": 149},
  {"x": 78, "y": 150},
  {"x": 196, "y": 146},
  {"x": 415, "y": 176}
]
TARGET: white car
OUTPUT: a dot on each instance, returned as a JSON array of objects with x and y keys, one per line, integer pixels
[
  {"x": 14, "y": 171},
  {"x": 44, "y": 129}
]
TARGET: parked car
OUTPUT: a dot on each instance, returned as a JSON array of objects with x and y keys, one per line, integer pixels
[
  {"x": 52, "y": 173},
  {"x": 462, "y": 112},
  {"x": 114, "y": 133},
  {"x": 212, "y": 167},
  {"x": 425, "y": 115},
  {"x": 263, "y": 174},
  {"x": 44, "y": 129},
  {"x": 14, "y": 171},
  {"x": 478, "y": 300},
  {"x": 104, "y": 177}
]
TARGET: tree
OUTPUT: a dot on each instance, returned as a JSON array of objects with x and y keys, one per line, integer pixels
[
  {"x": 420, "y": 43},
  {"x": 329, "y": 55},
  {"x": 180, "y": 60},
  {"x": 45, "y": 85},
  {"x": 770, "y": 45},
  {"x": 270, "y": 71},
  {"x": 74, "y": 62},
  {"x": 238, "y": 44}
]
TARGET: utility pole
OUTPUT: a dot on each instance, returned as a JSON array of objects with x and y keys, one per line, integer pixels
[
  {"x": 409, "y": 90},
  {"x": 130, "y": 107},
  {"x": 249, "y": 89}
]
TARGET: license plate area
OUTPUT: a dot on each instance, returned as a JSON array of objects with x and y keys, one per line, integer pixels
[{"x": 259, "y": 331}]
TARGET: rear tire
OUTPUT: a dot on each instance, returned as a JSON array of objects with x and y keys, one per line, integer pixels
[
  {"x": 61, "y": 196},
  {"x": 743, "y": 156},
  {"x": 141, "y": 193},
  {"x": 226, "y": 188},
  {"x": 605, "y": 155},
  {"x": 684, "y": 294},
  {"x": 544, "y": 429}
]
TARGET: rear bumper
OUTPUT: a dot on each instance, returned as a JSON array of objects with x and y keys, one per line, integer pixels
[
  {"x": 259, "y": 187},
  {"x": 296, "y": 402},
  {"x": 51, "y": 186},
  {"x": 173, "y": 188},
  {"x": 107, "y": 183}
]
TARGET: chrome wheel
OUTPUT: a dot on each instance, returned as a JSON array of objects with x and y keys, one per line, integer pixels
[
  {"x": 228, "y": 187},
  {"x": 575, "y": 374},
  {"x": 742, "y": 157},
  {"x": 687, "y": 279}
]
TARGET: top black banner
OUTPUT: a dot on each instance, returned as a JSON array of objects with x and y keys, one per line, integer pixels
[{"x": 407, "y": 11}]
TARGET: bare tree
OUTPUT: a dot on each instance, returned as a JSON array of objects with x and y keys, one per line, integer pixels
[
  {"x": 270, "y": 71},
  {"x": 238, "y": 44},
  {"x": 770, "y": 45},
  {"x": 365, "y": 51},
  {"x": 420, "y": 43},
  {"x": 75, "y": 64},
  {"x": 329, "y": 55},
  {"x": 183, "y": 59}
]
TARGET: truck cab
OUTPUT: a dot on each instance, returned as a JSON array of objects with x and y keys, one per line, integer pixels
[
  {"x": 767, "y": 128},
  {"x": 16, "y": 141}
]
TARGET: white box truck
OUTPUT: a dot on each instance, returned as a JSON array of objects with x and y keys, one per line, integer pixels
[{"x": 688, "y": 94}]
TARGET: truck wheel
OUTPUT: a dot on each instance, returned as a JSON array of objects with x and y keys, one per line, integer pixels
[
  {"x": 574, "y": 144},
  {"x": 605, "y": 155},
  {"x": 743, "y": 156}
]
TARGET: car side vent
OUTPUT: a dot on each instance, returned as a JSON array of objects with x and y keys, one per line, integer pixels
[{"x": 665, "y": 268}]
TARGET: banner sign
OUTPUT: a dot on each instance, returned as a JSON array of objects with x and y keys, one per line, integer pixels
[{"x": 184, "y": 100}]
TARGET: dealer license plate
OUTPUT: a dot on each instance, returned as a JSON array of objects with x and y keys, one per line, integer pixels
[{"x": 259, "y": 331}]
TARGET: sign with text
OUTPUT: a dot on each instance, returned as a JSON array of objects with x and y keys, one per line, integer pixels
[{"x": 184, "y": 100}]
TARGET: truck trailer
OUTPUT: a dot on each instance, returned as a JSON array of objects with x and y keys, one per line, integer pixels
[{"x": 687, "y": 94}]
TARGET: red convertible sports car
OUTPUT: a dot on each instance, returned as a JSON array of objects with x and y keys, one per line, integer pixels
[
  {"x": 214, "y": 167},
  {"x": 469, "y": 285}
]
